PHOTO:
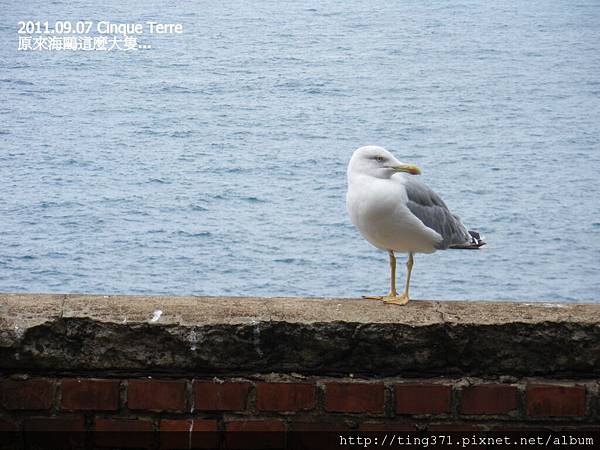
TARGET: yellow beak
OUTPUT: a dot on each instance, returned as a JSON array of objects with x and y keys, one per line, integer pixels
[{"x": 408, "y": 168}]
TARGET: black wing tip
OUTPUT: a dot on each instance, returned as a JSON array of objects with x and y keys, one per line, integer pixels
[
  {"x": 467, "y": 246},
  {"x": 476, "y": 239},
  {"x": 476, "y": 242}
]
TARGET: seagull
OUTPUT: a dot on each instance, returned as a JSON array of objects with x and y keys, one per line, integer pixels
[{"x": 397, "y": 213}]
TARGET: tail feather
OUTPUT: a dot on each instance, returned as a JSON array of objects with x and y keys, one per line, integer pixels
[{"x": 474, "y": 244}]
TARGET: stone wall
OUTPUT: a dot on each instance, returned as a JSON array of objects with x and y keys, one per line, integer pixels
[{"x": 192, "y": 372}]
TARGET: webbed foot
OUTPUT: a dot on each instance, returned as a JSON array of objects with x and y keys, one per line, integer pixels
[{"x": 396, "y": 299}]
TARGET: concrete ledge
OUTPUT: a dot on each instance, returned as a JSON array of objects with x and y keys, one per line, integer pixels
[{"x": 66, "y": 334}]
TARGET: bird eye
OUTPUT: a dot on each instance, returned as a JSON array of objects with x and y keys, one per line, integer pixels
[{"x": 379, "y": 158}]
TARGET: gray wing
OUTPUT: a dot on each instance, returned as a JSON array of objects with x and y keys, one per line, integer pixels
[{"x": 433, "y": 212}]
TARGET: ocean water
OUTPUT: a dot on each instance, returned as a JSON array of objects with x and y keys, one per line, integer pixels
[{"x": 214, "y": 162}]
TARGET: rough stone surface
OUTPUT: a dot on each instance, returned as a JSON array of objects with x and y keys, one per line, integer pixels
[{"x": 214, "y": 335}]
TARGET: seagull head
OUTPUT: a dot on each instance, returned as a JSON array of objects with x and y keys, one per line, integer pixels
[{"x": 377, "y": 162}]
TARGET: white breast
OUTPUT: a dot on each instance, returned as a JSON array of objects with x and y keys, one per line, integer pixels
[{"x": 377, "y": 207}]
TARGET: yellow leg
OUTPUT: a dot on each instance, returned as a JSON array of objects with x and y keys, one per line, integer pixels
[
  {"x": 393, "y": 292},
  {"x": 401, "y": 299},
  {"x": 393, "y": 297}
]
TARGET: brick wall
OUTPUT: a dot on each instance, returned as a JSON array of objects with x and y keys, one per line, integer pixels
[
  {"x": 80, "y": 371},
  {"x": 168, "y": 413}
]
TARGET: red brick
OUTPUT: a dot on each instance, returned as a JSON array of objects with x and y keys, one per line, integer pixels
[
  {"x": 55, "y": 432},
  {"x": 555, "y": 401},
  {"x": 124, "y": 433},
  {"x": 319, "y": 426},
  {"x": 386, "y": 426},
  {"x": 204, "y": 425},
  {"x": 26, "y": 394},
  {"x": 209, "y": 396},
  {"x": 73, "y": 424},
  {"x": 489, "y": 399},
  {"x": 354, "y": 397},
  {"x": 422, "y": 398},
  {"x": 285, "y": 396},
  {"x": 156, "y": 395},
  {"x": 205, "y": 434},
  {"x": 175, "y": 425},
  {"x": 254, "y": 425},
  {"x": 87, "y": 394},
  {"x": 250, "y": 434},
  {"x": 175, "y": 434}
]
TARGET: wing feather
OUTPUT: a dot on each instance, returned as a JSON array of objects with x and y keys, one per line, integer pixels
[{"x": 433, "y": 212}]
